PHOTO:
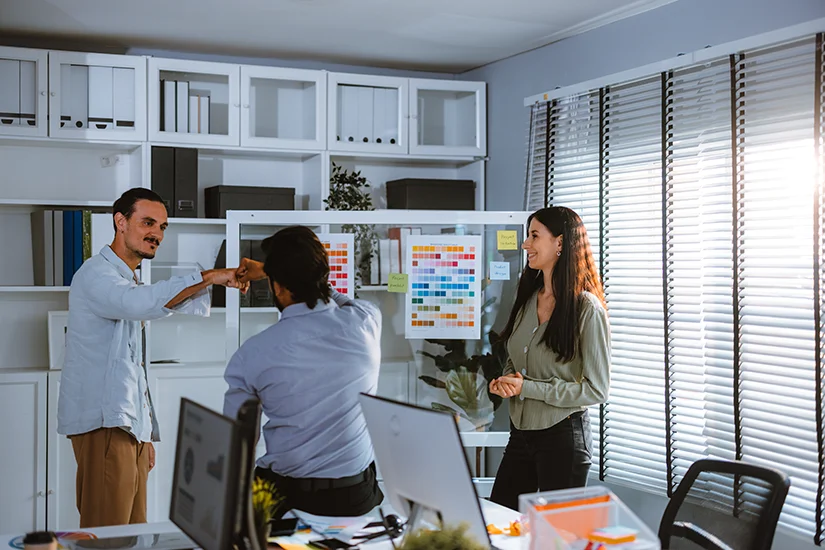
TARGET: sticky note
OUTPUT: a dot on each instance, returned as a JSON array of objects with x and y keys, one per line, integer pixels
[
  {"x": 499, "y": 271},
  {"x": 507, "y": 240},
  {"x": 398, "y": 282}
]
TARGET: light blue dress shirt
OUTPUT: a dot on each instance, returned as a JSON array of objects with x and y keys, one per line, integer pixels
[
  {"x": 308, "y": 370},
  {"x": 103, "y": 384}
]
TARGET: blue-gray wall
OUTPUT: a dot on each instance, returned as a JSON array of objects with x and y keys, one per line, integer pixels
[{"x": 681, "y": 27}]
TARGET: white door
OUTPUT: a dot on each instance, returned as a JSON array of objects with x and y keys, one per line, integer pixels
[
  {"x": 24, "y": 86},
  {"x": 204, "y": 385},
  {"x": 23, "y": 454},
  {"x": 62, "y": 470},
  {"x": 283, "y": 108},
  {"x": 367, "y": 114},
  {"x": 194, "y": 102},
  {"x": 448, "y": 117},
  {"x": 97, "y": 96}
]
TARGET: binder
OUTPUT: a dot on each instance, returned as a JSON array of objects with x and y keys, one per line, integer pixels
[
  {"x": 65, "y": 95},
  {"x": 77, "y": 245},
  {"x": 182, "y": 106},
  {"x": 186, "y": 183},
  {"x": 101, "y": 98},
  {"x": 366, "y": 110},
  {"x": 168, "y": 103},
  {"x": 379, "y": 114},
  {"x": 68, "y": 247},
  {"x": 194, "y": 114},
  {"x": 163, "y": 176},
  {"x": 78, "y": 96},
  {"x": 57, "y": 241},
  {"x": 349, "y": 113},
  {"x": 28, "y": 93},
  {"x": 205, "y": 105},
  {"x": 124, "y": 97},
  {"x": 391, "y": 116},
  {"x": 42, "y": 223},
  {"x": 9, "y": 92}
]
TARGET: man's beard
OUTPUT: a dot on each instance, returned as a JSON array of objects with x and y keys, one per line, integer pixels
[{"x": 144, "y": 254}]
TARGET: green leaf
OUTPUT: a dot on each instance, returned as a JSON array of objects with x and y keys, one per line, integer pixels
[
  {"x": 442, "y": 408},
  {"x": 434, "y": 382},
  {"x": 468, "y": 391}
]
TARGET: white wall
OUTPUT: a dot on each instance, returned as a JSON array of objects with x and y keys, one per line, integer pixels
[{"x": 681, "y": 27}]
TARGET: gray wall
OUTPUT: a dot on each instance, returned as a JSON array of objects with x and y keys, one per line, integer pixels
[{"x": 681, "y": 27}]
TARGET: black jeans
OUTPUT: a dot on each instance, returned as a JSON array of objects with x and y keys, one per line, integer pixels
[
  {"x": 315, "y": 496},
  {"x": 544, "y": 460}
]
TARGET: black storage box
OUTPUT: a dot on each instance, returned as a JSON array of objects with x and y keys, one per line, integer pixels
[
  {"x": 431, "y": 194},
  {"x": 221, "y": 198}
]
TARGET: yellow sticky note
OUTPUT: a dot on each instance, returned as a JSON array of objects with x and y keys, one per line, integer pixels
[
  {"x": 507, "y": 240},
  {"x": 398, "y": 282}
]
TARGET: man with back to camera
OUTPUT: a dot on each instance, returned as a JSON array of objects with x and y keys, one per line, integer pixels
[
  {"x": 308, "y": 370},
  {"x": 104, "y": 405}
]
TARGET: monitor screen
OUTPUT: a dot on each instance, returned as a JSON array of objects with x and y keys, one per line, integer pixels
[
  {"x": 206, "y": 477},
  {"x": 422, "y": 461}
]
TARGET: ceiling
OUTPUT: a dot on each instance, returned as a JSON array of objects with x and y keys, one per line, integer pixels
[{"x": 437, "y": 35}]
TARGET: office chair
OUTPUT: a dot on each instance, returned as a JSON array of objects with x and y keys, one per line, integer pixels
[{"x": 702, "y": 512}]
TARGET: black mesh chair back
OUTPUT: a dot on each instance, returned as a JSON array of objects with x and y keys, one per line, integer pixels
[{"x": 724, "y": 505}]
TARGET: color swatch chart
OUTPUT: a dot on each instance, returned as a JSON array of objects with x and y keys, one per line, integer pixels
[
  {"x": 340, "y": 247},
  {"x": 444, "y": 298}
]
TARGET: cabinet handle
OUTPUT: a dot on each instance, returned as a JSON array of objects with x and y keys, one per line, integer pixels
[
  {"x": 53, "y": 94},
  {"x": 237, "y": 104},
  {"x": 41, "y": 494},
  {"x": 43, "y": 92},
  {"x": 50, "y": 492},
  {"x": 246, "y": 106}
]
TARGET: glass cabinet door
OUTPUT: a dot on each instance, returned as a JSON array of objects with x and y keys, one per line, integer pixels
[
  {"x": 448, "y": 117},
  {"x": 23, "y": 92}
]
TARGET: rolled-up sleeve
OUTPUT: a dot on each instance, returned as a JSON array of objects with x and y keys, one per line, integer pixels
[
  {"x": 113, "y": 297},
  {"x": 594, "y": 386}
]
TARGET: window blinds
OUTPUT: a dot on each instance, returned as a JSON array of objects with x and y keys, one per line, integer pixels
[
  {"x": 573, "y": 181},
  {"x": 774, "y": 177},
  {"x": 536, "y": 183},
  {"x": 704, "y": 204}
]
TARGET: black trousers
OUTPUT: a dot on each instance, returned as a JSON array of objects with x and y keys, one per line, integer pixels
[
  {"x": 544, "y": 460},
  {"x": 353, "y": 496}
]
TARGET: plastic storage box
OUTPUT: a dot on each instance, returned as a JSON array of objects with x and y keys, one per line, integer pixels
[{"x": 580, "y": 519}]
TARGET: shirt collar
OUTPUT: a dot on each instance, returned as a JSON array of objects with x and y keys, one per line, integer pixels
[
  {"x": 116, "y": 260},
  {"x": 296, "y": 310}
]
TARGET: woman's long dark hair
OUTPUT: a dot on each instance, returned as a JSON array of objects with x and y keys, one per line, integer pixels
[{"x": 575, "y": 272}]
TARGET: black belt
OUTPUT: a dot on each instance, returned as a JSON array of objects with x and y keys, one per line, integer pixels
[{"x": 310, "y": 484}]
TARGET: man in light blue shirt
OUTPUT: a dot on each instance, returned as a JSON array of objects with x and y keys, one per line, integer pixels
[
  {"x": 104, "y": 404},
  {"x": 307, "y": 370}
]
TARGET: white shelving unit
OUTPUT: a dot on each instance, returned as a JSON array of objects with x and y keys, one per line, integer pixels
[{"x": 77, "y": 130}]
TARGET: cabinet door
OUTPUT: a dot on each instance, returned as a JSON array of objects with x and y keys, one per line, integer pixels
[
  {"x": 23, "y": 92},
  {"x": 367, "y": 114},
  {"x": 62, "y": 470},
  {"x": 97, "y": 96},
  {"x": 194, "y": 102},
  {"x": 448, "y": 117},
  {"x": 283, "y": 108},
  {"x": 168, "y": 385},
  {"x": 23, "y": 456}
]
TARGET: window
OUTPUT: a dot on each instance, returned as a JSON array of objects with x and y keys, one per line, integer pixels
[{"x": 701, "y": 189}]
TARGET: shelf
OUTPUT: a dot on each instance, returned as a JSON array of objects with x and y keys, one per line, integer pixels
[
  {"x": 45, "y": 203},
  {"x": 37, "y": 141},
  {"x": 34, "y": 289},
  {"x": 372, "y": 288},
  {"x": 387, "y": 158},
  {"x": 251, "y": 152},
  {"x": 197, "y": 221}
]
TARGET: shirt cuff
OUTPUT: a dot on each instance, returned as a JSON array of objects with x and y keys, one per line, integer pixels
[
  {"x": 531, "y": 390},
  {"x": 194, "y": 278}
]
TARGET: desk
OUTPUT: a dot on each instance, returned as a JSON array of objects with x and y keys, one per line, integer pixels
[{"x": 493, "y": 513}]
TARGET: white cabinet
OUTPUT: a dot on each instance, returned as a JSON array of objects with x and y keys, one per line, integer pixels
[
  {"x": 194, "y": 102},
  {"x": 204, "y": 385},
  {"x": 23, "y": 454},
  {"x": 448, "y": 117},
  {"x": 62, "y": 470},
  {"x": 97, "y": 96},
  {"x": 283, "y": 108},
  {"x": 23, "y": 92},
  {"x": 368, "y": 113}
]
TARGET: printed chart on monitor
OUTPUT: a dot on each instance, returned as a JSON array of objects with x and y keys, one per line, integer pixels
[
  {"x": 339, "y": 247},
  {"x": 444, "y": 297}
]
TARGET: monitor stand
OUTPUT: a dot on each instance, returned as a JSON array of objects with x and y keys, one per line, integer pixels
[{"x": 417, "y": 511}]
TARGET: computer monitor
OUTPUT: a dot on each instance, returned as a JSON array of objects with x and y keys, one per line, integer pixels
[
  {"x": 205, "y": 486},
  {"x": 422, "y": 463}
]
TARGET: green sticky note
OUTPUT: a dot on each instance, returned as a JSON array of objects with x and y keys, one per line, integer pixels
[
  {"x": 507, "y": 240},
  {"x": 398, "y": 283}
]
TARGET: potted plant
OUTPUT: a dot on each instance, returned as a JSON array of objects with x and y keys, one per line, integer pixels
[
  {"x": 265, "y": 504},
  {"x": 446, "y": 538},
  {"x": 349, "y": 190}
]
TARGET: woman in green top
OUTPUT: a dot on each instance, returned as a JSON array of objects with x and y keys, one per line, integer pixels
[{"x": 558, "y": 342}]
